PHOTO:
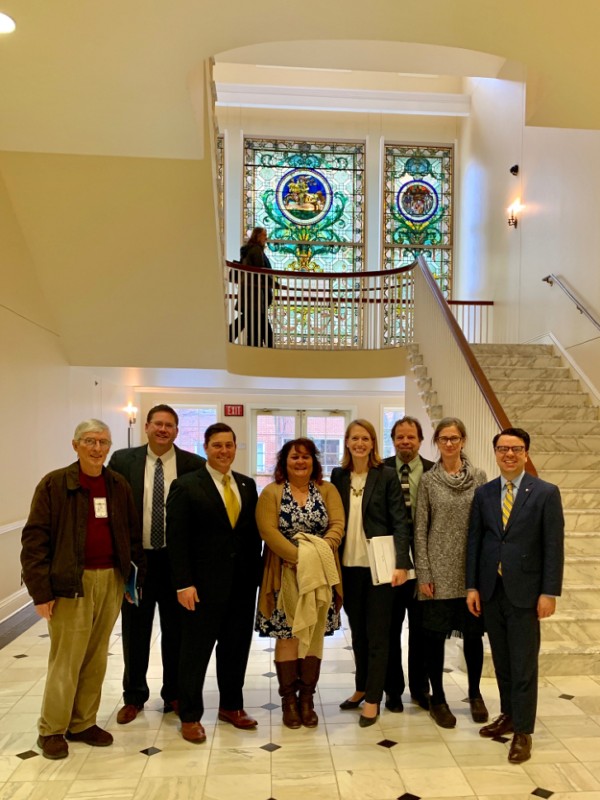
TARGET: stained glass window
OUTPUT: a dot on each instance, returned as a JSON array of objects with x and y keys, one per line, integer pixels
[
  {"x": 310, "y": 198},
  {"x": 418, "y": 208}
]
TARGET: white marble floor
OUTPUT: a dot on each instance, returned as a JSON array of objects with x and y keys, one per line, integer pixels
[{"x": 402, "y": 756}]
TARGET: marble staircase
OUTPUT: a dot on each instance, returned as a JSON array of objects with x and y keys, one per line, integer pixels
[{"x": 539, "y": 393}]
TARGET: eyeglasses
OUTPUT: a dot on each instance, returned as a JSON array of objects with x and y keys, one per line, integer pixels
[
  {"x": 449, "y": 439},
  {"x": 517, "y": 449},
  {"x": 93, "y": 442}
]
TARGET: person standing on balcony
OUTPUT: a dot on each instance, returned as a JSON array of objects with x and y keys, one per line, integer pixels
[
  {"x": 214, "y": 549},
  {"x": 150, "y": 470},
  {"x": 296, "y": 503},
  {"x": 444, "y": 503},
  {"x": 514, "y": 574},
  {"x": 407, "y": 435},
  {"x": 255, "y": 294},
  {"x": 374, "y": 506}
]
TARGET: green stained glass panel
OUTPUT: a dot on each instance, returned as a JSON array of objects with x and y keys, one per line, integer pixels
[{"x": 418, "y": 208}]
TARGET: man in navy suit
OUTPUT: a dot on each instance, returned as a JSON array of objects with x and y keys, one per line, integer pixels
[
  {"x": 138, "y": 465},
  {"x": 407, "y": 436},
  {"x": 515, "y": 563},
  {"x": 215, "y": 550}
]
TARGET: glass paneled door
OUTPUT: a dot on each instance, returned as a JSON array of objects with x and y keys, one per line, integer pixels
[{"x": 273, "y": 427}]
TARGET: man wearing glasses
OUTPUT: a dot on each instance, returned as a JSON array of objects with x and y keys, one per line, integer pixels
[
  {"x": 514, "y": 574},
  {"x": 77, "y": 547},
  {"x": 150, "y": 470}
]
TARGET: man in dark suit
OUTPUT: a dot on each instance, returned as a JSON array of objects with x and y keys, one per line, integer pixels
[
  {"x": 407, "y": 435},
  {"x": 215, "y": 551},
  {"x": 515, "y": 562},
  {"x": 150, "y": 482}
]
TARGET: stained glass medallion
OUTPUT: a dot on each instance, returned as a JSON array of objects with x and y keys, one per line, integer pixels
[{"x": 418, "y": 208}]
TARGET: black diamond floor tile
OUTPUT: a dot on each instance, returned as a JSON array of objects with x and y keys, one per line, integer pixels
[
  {"x": 44, "y": 636},
  {"x": 270, "y": 706},
  {"x": 21, "y": 655},
  {"x": 269, "y": 674},
  {"x": 566, "y": 696},
  {"x": 545, "y": 793},
  {"x": 408, "y": 796},
  {"x": 501, "y": 739},
  {"x": 387, "y": 743},
  {"x": 151, "y": 751},
  {"x": 270, "y": 748},
  {"x": 27, "y": 754},
  {"x": 269, "y": 650}
]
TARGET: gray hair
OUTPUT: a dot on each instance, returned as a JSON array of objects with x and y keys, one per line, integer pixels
[{"x": 90, "y": 426}]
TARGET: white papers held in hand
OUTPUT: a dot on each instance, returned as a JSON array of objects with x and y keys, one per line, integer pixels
[{"x": 382, "y": 558}]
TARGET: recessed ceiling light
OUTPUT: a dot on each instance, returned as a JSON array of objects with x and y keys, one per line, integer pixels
[{"x": 7, "y": 25}]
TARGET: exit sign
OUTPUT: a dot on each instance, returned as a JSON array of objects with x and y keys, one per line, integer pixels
[{"x": 233, "y": 411}]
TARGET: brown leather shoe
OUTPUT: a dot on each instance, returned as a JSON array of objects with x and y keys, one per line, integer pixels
[
  {"x": 94, "y": 736},
  {"x": 172, "y": 705},
  {"x": 53, "y": 746},
  {"x": 478, "y": 710},
  {"x": 239, "y": 719},
  {"x": 442, "y": 716},
  {"x": 193, "y": 732},
  {"x": 520, "y": 748},
  {"x": 501, "y": 725},
  {"x": 128, "y": 713}
]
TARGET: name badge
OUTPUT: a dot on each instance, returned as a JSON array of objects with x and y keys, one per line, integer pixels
[{"x": 100, "y": 508}]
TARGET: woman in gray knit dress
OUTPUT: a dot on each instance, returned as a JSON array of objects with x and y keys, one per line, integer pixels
[{"x": 441, "y": 526}]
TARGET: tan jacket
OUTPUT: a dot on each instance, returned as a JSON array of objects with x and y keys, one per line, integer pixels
[{"x": 279, "y": 549}]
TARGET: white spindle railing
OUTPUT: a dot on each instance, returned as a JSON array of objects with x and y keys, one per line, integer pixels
[
  {"x": 327, "y": 311},
  {"x": 474, "y": 318}
]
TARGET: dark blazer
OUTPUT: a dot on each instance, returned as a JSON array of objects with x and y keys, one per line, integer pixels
[
  {"x": 131, "y": 464},
  {"x": 531, "y": 548},
  {"x": 205, "y": 551},
  {"x": 383, "y": 509}
]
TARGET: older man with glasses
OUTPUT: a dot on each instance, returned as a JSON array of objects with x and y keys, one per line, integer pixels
[{"x": 78, "y": 545}]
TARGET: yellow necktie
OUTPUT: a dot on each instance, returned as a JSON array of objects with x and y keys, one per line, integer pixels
[
  {"x": 231, "y": 502},
  {"x": 506, "y": 509}
]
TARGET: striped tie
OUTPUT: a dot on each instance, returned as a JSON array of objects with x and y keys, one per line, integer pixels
[
  {"x": 231, "y": 502},
  {"x": 507, "y": 504},
  {"x": 404, "y": 483}
]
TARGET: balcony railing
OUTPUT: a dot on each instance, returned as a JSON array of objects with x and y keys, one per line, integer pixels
[{"x": 332, "y": 310}]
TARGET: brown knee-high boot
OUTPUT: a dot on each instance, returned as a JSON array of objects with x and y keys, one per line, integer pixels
[
  {"x": 287, "y": 675},
  {"x": 310, "y": 669}
]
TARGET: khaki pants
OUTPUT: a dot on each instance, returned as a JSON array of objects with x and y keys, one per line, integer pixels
[{"x": 80, "y": 631}]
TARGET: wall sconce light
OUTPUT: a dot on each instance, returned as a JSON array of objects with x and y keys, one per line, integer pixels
[
  {"x": 131, "y": 412},
  {"x": 513, "y": 213},
  {"x": 514, "y": 170}
]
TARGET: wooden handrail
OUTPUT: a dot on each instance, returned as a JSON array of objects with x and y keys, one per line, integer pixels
[{"x": 484, "y": 385}]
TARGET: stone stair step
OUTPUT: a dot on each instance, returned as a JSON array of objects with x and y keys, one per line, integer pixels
[
  {"x": 580, "y": 596},
  {"x": 524, "y": 373},
  {"x": 545, "y": 462},
  {"x": 582, "y": 544},
  {"x": 581, "y": 520},
  {"x": 582, "y": 569},
  {"x": 512, "y": 349},
  {"x": 524, "y": 385},
  {"x": 577, "y": 499},
  {"x": 570, "y": 478},
  {"x": 543, "y": 399},
  {"x": 567, "y": 444},
  {"x": 568, "y": 427},
  {"x": 506, "y": 360},
  {"x": 547, "y": 412}
]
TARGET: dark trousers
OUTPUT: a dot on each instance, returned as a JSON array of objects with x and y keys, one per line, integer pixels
[
  {"x": 136, "y": 625},
  {"x": 228, "y": 625},
  {"x": 514, "y": 635},
  {"x": 256, "y": 321},
  {"x": 406, "y": 603},
  {"x": 369, "y": 610}
]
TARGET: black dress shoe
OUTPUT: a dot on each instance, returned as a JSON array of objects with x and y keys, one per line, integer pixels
[
  {"x": 421, "y": 700},
  {"x": 349, "y": 705},
  {"x": 366, "y": 722},
  {"x": 501, "y": 725},
  {"x": 441, "y": 715},
  {"x": 520, "y": 748},
  {"x": 394, "y": 704},
  {"x": 478, "y": 710}
]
